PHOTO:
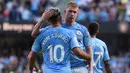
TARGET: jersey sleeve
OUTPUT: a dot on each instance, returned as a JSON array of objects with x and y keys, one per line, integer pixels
[
  {"x": 86, "y": 38},
  {"x": 73, "y": 42},
  {"x": 36, "y": 47},
  {"x": 42, "y": 29},
  {"x": 106, "y": 54}
]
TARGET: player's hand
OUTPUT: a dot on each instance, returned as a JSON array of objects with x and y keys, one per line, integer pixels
[
  {"x": 35, "y": 69},
  {"x": 90, "y": 71},
  {"x": 31, "y": 72},
  {"x": 47, "y": 14}
]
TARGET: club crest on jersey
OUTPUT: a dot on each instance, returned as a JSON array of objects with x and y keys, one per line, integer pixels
[{"x": 78, "y": 32}]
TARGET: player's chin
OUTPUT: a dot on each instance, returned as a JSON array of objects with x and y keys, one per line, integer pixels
[{"x": 71, "y": 20}]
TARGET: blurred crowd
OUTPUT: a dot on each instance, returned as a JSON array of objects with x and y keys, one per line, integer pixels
[
  {"x": 12, "y": 63},
  {"x": 90, "y": 10},
  {"x": 17, "y": 10},
  {"x": 120, "y": 63},
  {"x": 104, "y": 10}
]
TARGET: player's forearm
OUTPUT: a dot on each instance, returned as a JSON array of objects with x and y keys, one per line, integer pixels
[
  {"x": 91, "y": 61},
  {"x": 31, "y": 63},
  {"x": 85, "y": 55},
  {"x": 35, "y": 67},
  {"x": 81, "y": 54},
  {"x": 36, "y": 28},
  {"x": 107, "y": 67},
  {"x": 31, "y": 58}
]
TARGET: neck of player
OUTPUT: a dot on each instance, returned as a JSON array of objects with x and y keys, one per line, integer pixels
[
  {"x": 93, "y": 36},
  {"x": 69, "y": 22},
  {"x": 56, "y": 24}
]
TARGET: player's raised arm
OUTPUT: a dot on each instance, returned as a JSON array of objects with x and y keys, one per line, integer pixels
[{"x": 45, "y": 16}]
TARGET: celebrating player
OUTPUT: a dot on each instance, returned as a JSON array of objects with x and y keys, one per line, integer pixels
[{"x": 82, "y": 34}]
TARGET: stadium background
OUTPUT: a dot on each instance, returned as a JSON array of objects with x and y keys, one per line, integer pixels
[{"x": 17, "y": 18}]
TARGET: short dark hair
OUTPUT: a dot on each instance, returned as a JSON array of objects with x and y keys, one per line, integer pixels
[
  {"x": 54, "y": 17},
  {"x": 93, "y": 28}
]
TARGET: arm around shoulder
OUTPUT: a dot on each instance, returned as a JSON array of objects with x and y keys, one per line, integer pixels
[
  {"x": 81, "y": 53},
  {"x": 45, "y": 16}
]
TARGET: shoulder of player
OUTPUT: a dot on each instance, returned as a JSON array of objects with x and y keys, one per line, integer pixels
[
  {"x": 65, "y": 29},
  {"x": 45, "y": 28},
  {"x": 101, "y": 41},
  {"x": 68, "y": 31},
  {"x": 63, "y": 24},
  {"x": 82, "y": 27}
]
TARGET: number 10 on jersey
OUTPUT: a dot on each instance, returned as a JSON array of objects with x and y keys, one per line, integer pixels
[{"x": 53, "y": 53}]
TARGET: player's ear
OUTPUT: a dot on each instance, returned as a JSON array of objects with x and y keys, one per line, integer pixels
[
  {"x": 60, "y": 18},
  {"x": 97, "y": 32}
]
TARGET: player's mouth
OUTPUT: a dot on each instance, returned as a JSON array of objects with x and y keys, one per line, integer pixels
[{"x": 71, "y": 18}]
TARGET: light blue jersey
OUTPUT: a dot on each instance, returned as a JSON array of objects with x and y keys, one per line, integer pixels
[
  {"x": 100, "y": 54},
  {"x": 83, "y": 38},
  {"x": 56, "y": 44}
]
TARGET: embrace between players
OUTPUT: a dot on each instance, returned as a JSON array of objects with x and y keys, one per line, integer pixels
[{"x": 67, "y": 46}]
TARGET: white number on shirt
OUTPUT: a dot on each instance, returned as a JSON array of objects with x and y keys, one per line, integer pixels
[
  {"x": 54, "y": 57},
  {"x": 99, "y": 54}
]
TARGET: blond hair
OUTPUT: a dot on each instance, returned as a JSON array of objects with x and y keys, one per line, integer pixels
[{"x": 72, "y": 4}]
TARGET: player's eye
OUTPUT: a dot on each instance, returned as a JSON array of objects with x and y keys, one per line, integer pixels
[
  {"x": 71, "y": 11},
  {"x": 74, "y": 11}
]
